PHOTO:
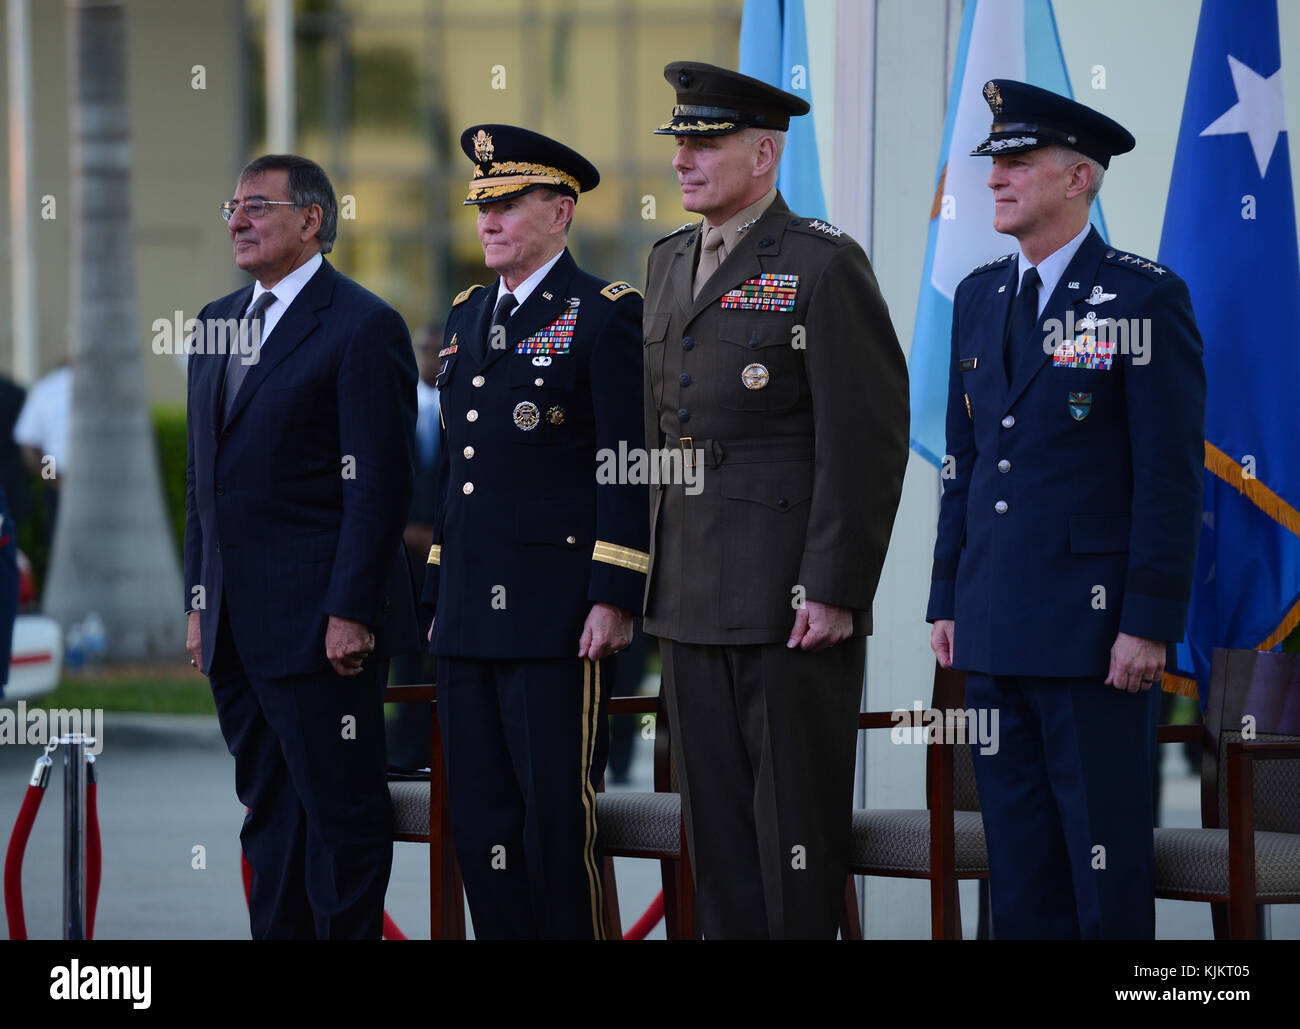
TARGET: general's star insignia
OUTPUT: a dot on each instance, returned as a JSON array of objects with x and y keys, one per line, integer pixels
[{"x": 822, "y": 226}]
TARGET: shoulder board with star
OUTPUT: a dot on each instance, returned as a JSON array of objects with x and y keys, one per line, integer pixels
[
  {"x": 817, "y": 227},
  {"x": 997, "y": 262},
  {"x": 465, "y": 294},
  {"x": 618, "y": 289},
  {"x": 677, "y": 231},
  {"x": 1141, "y": 264}
]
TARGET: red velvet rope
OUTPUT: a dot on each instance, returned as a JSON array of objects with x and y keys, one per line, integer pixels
[{"x": 14, "y": 862}]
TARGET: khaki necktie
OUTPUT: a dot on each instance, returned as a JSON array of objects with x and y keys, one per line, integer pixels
[{"x": 710, "y": 258}]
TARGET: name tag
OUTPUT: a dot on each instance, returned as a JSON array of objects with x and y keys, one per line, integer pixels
[{"x": 968, "y": 364}]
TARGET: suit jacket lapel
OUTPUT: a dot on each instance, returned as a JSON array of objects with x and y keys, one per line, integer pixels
[
  {"x": 476, "y": 342},
  {"x": 294, "y": 326},
  {"x": 1082, "y": 269},
  {"x": 215, "y": 365},
  {"x": 988, "y": 327}
]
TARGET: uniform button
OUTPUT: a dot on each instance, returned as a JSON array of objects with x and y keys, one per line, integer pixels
[
  {"x": 1000, "y": 507},
  {"x": 685, "y": 379},
  {"x": 468, "y": 451},
  {"x": 471, "y": 415},
  {"x": 570, "y": 540},
  {"x": 1008, "y": 421},
  {"x": 221, "y": 491},
  {"x": 468, "y": 488},
  {"x": 688, "y": 342},
  {"x": 1004, "y": 465},
  {"x": 538, "y": 382},
  {"x": 782, "y": 503},
  {"x": 753, "y": 342},
  {"x": 478, "y": 380},
  {"x": 683, "y": 415}
]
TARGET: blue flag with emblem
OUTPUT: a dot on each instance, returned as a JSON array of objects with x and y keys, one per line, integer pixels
[
  {"x": 1000, "y": 39},
  {"x": 1230, "y": 232},
  {"x": 774, "y": 48}
]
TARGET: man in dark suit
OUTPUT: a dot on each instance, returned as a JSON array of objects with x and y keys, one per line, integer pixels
[
  {"x": 1068, "y": 527},
  {"x": 539, "y": 561},
  {"x": 297, "y": 488},
  {"x": 771, "y": 366}
]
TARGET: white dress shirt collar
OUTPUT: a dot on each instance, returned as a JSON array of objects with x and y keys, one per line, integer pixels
[
  {"x": 1051, "y": 268},
  {"x": 286, "y": 291},
  {"x": 525, "y": 288}
]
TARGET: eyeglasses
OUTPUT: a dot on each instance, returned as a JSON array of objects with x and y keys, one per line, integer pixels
[{"x": 255, "y": 209}]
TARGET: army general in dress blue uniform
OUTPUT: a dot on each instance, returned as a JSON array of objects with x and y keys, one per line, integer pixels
[
  {"x": 538, "y": 562},
  {"x": 1068, "y": 526}
]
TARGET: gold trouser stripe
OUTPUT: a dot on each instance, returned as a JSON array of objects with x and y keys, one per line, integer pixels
[
  {"x": 435, "y": 554},
  {"x": 590, "y": 714},
  {"x": 623, "y": 557}
]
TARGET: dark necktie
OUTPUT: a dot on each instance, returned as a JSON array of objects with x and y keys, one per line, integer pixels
[
  {"x": 238, "y": 363},
  {"x": 500, "y": 316},
  {"x": 1021, "y": 325}
]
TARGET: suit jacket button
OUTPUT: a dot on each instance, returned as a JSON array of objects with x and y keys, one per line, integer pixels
[
  {"x": 1008, "y": 421},
  {"x": 221, "y": 491},
  {"x": 539, "y": 382},
  {"x": 1000, "y": 507},
  {"x": 782, "y": 503},
  {"x": 1004, "y": 465},
  {"x": 471, "y": 415},
  {"x": 468, "y": 452},
  {"x": 688, "y": 342},
  {"x": 478, "y": 380},
  {"x": 683, "y": 415},
  {"x": 570, "y": 540},
  {"x": 467, "y": 489},
  {"x": 685, "y": 379}
]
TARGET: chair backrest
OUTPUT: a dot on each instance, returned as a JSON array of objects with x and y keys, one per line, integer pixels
[
  {"x": 950, "y": 695},
  {"x": 1256, "y": 696}
]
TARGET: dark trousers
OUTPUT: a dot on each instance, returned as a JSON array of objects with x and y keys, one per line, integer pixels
[
  {"x": 1066, "y": 801},
  {"x": 764, "y": 740},
  {"x": 311, "y": 769},
  {"x": 525, "y": 744}
]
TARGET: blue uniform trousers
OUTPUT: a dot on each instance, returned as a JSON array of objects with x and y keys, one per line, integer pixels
[
  {"x": 525, "y": 744},
  {"x": 318, "y": 832},
  {"x": 1066, "y": 801}
]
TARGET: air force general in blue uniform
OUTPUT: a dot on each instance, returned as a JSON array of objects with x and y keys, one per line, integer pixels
[
  {"x": 539, "y": 560},
  {"x": 1068, "y": 526}
]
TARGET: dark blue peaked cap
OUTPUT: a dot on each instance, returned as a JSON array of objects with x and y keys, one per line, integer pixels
[
  {"x": 1026, "y": 117},
  {"x": 510, "y": 161}
]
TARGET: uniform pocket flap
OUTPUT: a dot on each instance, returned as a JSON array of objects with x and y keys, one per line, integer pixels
[
  {"x": 556, "y": 371},
  {"x": 783, "y": 491},
  {"x": 1099, "y": 533},
  {"x": 568, "y": 524},
  {"x": 656, "y": 327}
]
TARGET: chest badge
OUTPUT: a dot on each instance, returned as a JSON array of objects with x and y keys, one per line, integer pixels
[
  {"x": 526, "y": 415},
  {"x": 450, "y": 348},
  {"x": 555, "y": 415},
  {"x": 1080, "y": 404},
  {"x": 1099, "y": 296},
  {"x": 541, "y": 361},
  {"x": 755, "y": 376}
]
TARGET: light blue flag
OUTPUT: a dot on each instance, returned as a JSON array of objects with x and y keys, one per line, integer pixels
[
  {"x": 1230, "y": 233},
  {"x": 1000, "y": 39},
  {"x": 774, "y": 48}
]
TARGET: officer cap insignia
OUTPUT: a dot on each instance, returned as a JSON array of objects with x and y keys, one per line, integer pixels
[
  {"x": 482, "y": 146},
  {"x": 465, "y": 294},
  {"x": 1099, "y": 296},
  {"x": 555, "y": 415},
  {"x": 755, "y": 376},
  {"x": 616, "y": 289},
  {"x": 993, "y": 97},
  {"x": 526, "y": 415}
]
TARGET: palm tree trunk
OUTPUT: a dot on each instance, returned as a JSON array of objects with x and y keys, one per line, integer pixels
[{"x": 112, "y": 548}]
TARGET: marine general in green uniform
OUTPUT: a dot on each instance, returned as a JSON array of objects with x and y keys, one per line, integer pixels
[{"x": 772, "y": 365}]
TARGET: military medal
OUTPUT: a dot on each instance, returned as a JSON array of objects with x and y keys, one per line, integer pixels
[
  {"x": 755, "y": 376},
  {"x": 555, "y": 415},
  {"x": 526, "y": 415},
  {"x": 768, "y": 292},
  {"x": 556, "y": 337},
  {"x": 450, "y": 348}
]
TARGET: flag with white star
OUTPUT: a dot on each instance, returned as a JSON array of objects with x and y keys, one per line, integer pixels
[{"x": 1230, "y": 232}]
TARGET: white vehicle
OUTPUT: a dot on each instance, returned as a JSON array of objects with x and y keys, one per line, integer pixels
[{"x": 37, "y": 657}]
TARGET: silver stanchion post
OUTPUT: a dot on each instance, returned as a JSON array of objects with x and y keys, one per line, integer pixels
[{"x": 74, "y": 834}]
